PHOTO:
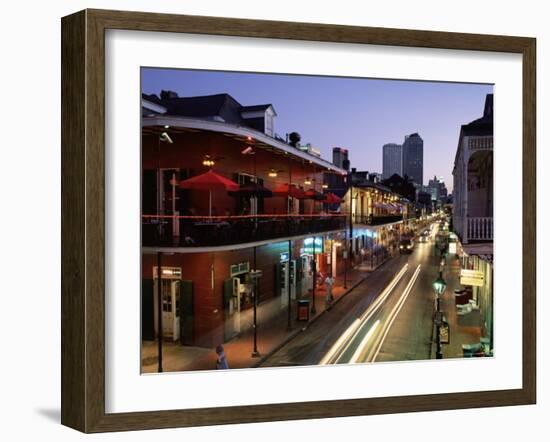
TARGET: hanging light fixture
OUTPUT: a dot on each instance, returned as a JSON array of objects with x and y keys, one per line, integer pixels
[{"x": 208, "y": 161}]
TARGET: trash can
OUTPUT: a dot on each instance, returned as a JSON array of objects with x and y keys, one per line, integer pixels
[{"x": 303, "y": 310}]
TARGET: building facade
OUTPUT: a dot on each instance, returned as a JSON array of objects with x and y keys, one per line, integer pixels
[
  {"x": 231, "y": 215},
  {"x": 392, "y": 160},
  {"x": 413, "y": 158},
  {"x": 473, "y": 179},
  {"x": 437, "y": 189},
  {"x": 340, "y": 157},
  {"x": 378, "y": 220},
  {"x": 473, "y": 212}
]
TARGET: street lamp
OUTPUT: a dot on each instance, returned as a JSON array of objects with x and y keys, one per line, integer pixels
[
  {"x": 163, "y": 138},
  {"x": 439, "y": 286}
]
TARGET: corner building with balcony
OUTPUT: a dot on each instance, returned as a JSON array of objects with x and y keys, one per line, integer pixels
[
  {"x": 229, "y": 209},
  {"x": 473, "y": 210},
  {"x": 378, "y": 222}
]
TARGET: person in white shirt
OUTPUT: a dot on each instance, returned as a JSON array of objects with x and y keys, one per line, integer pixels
[{"x": 329, "y": 282}]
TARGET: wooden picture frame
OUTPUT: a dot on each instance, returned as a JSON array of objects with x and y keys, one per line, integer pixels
[{"x": 83, "y": 219}]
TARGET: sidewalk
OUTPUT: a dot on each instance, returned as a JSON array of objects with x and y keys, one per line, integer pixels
[
  {"x": 272, "y": 332},
  {"x": 459, "y": 334}
]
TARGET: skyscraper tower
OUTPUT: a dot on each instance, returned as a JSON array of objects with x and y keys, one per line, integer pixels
[
  {"x": 340, "y": 157},
  {"x": 413, "y": 158},
  {"x": 392, "y": 160}
]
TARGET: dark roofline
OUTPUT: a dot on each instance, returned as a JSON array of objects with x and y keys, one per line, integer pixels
[
  {"x": 155, "y": 98},
  {"x": 255, "y": 107}
]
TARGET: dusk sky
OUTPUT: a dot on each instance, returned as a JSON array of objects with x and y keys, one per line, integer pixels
[{"x": 356, "y": 113}]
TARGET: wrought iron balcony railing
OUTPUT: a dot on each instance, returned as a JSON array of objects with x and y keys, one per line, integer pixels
[
  {"x": 479, "y": 229},
  {"x": 376, "y": 220},
  {"x": 205, "y": 231}
]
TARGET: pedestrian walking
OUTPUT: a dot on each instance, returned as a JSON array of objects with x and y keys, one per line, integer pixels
[
  {"x": 221, "y": 361},
  {"x": 320, "y": 279},
  {"x": 329, "y": 282}
]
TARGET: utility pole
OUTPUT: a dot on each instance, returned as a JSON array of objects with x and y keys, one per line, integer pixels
[
  {"x": 255, "y": 352},
  {"x": 159, "y": 310},
  {"x": 313, "y": 310}
]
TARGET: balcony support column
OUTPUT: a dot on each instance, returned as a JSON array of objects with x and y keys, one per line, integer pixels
[
  {"x": 466, "y": 157},
  {"x": 290, "y": 282}
]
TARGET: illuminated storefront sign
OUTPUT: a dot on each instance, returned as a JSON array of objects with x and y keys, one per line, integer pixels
[
  {"x": 168, "y": 272},
  {"x": 452, "y": 248},
  {"x": 236, "y": 269},
  {"x": 471, "y": 277},
  {"x": 310, "y": 245}
]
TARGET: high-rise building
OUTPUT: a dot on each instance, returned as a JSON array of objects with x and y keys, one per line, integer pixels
[
  {"x": 340, "y": 157},
  {"x": 437, "y": 189},
  {"x": 413, "y": 158},
  {"x": 391, "y": 160}
]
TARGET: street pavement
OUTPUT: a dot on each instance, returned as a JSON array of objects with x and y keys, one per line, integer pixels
[
  {"x": 410, "y": 336},
  {"x": 389, "y": 317},
  {"x": 309, "y": 347}
]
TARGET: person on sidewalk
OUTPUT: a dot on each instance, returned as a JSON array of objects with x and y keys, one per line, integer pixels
[
  {"x": 320, "y": 280},
  {"x": 221, "y": 361},
  {"x": 329, "y": 282}
]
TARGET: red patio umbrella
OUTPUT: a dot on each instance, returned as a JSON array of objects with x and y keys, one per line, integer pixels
[
  {"x": 253, "y": 190},
  {"x": 312, "y": 194},
  {"x": 331, "y": 198},
  {"x": 294, "y": 192},
  {"x": 209, "y": 181}
]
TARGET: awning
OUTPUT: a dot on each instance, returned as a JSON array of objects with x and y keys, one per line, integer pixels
[
  {"x": 283, "y": 190},
  {"x": 331, "y": 198},
  {"x": 209, "y": 181}
]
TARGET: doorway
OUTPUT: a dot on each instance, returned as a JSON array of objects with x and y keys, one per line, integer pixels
[
  {"x": 231, "y": 307},
  {"x": 170, "y": 295}
]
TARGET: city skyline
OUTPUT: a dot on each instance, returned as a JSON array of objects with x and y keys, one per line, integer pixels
[{"x": 366, "y": 113}]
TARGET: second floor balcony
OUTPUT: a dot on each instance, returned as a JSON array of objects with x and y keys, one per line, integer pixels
[
  {"x": 377, "y": 220},
  {"x": 479, "y": 229},
  {"x": 214, "y": 231},
  {"x": 474, "y": 229}
]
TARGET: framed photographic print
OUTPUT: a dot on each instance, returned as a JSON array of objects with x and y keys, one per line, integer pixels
[{"x": 271, "y": 220}]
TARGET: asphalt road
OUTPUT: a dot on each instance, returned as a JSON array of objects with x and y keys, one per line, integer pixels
[
  {"x": 386, "y": 318},
  {"x": 398, "y": 326}
]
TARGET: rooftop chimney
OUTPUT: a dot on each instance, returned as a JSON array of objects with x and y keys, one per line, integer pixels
[{"x": 166, "y": 95}]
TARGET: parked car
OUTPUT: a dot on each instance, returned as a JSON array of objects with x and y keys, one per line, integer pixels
[{"x": 406, "y": 246}]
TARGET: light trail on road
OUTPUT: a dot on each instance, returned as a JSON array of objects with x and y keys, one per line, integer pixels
[
  {"x": 395, "y": 312},
  {"x": 389, "y": 319},
  {"x": 362, "y": 341},
  {"x": 348, "y": 337}
]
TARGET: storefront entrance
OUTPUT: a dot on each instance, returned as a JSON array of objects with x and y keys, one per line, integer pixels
[
  {"x": 288, "y": 278},
  {"x": 170, "y": 291},
  {"x": 237, "y": 296},
  {"x": 170, "y": 301},
  {"x": 306, "y": 274},
  {"x": 177, "y": 306},
  {"x": 232, "y": 308}
]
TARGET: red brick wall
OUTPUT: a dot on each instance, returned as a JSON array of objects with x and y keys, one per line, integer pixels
[{"x": 208, "y": 303}]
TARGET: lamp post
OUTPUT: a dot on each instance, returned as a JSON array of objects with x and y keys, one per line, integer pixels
[
  {"x": 256, "y": 275},
  {"x": 313, "y": 309},
  {"x": 162, "y": 138},
  {"x": 345, "y": 255},
  {"x": 439, "y": 286},
  {"x": 159, "y": 312}
]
